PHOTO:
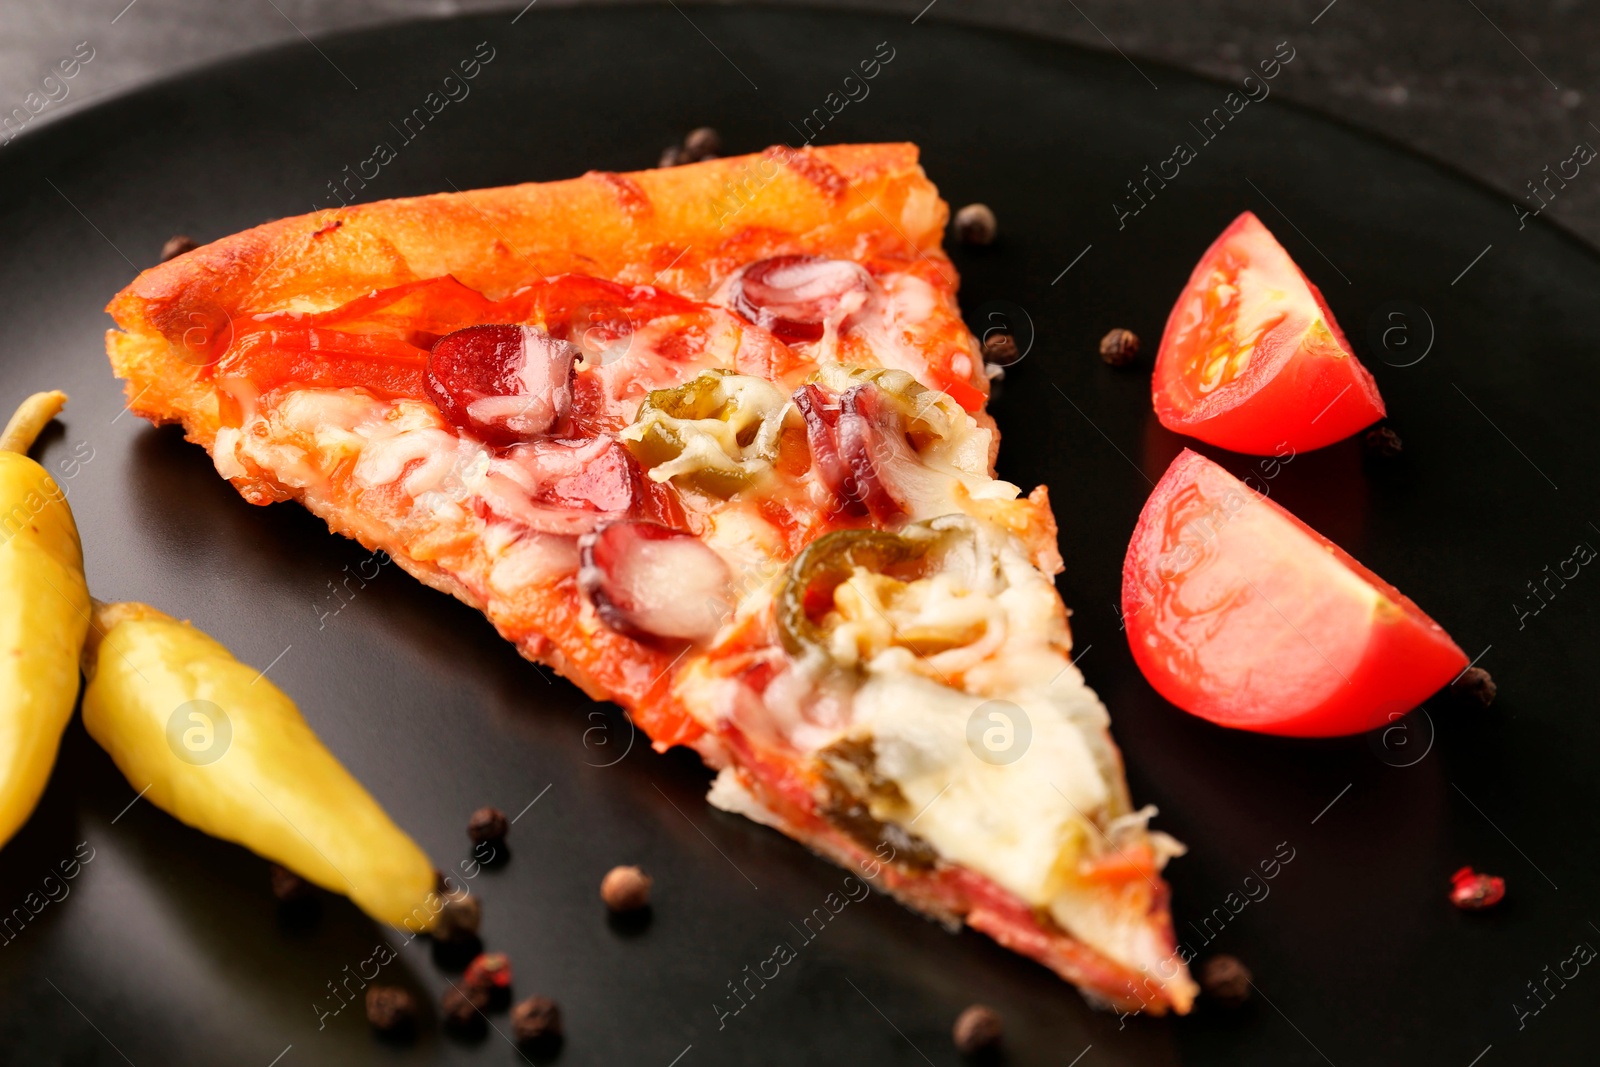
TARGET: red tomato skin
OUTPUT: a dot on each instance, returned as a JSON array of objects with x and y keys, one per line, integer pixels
[
  {"x": 1362, "y": 681},
  {"x": 1304, "y": 387}
]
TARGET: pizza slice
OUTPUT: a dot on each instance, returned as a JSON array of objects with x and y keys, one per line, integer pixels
[{"x": 710, "y": 441}]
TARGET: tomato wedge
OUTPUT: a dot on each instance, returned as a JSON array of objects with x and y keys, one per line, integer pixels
[
  {"x": 1252, "y": 359},
  {"x": 1240, "y": 613}
]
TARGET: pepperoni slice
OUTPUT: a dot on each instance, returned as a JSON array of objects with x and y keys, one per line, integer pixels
[
  {"x": 650, "y": 581},
  {"x": 858, "y": 444},
  {"x": 564, "y": 487},
  {"x": 794, "y": 296},
  {"x": 600, "y": 475},
  {"x": 821, "y": 412},
  {"x": 872, "y": 443},
  {"x": 503, "y": 384}
]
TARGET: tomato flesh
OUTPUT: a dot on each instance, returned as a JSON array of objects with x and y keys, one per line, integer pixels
[
  {"x": 1252, "y": 359},
  {"x": 1238, "y": 612},
  {"x": 591, "y": 313},
  {"x": 418, "y": 312},
  {"x": 313, "y": 357}
]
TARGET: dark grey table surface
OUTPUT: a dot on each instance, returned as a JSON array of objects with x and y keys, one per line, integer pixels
[{"x": 1499, "y": 89}]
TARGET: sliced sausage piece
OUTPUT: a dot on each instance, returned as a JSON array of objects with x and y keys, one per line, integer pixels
[
  {"x": 794, "y": 296},
  {"x": 502, "y": 384},
  {"x": 650, "y": 581}
]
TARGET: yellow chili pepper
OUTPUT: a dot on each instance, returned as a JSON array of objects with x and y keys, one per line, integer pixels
[
  {"x": 217, "y": 745},
  {"x": 44, "y": 614}
]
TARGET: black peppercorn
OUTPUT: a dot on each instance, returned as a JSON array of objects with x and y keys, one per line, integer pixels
[
  {"x": 976, "y": 1030},
  {"x": 462, "y": 1010},
  {"x": 1382, "y": 441},
  {"x": 702, "y": 143},
  {"x": 460, "y": 915},
  {"x": 625, "y": 889},
  {"x": 536, "y": 1024},
  {"x": 1475, "y": 686},
  {"x": 976, "y": 225},
  {"x": 391, "y": 1010},
  {"x": 288, "y": 887},
  {"x": 176, "y": 246},
  {"x": 1225, "y": 980},
  {"x": 1119, "y": 347},
  {"x": 488, "y": 824},
  {"x": 1000, "y": 347}
]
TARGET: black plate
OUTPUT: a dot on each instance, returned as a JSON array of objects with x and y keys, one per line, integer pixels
[{"x": 168, "y": 948}]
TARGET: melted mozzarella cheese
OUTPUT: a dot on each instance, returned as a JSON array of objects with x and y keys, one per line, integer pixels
[
  {"x": 997, "y": 748},
  {"x": 535, "y": 559},
  {"x": 225, "y": 453},
  {"x": 1024, "y": 820},
  {"x": 309, "y": 432},
  {"x": 952, "y": 469},
  {"x": 749, "y": 545},
  {"x": 1020, "y": 822}
]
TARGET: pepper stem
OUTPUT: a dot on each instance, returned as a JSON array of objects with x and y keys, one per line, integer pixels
[
  {"x": 103, "y": 617},
  {"x": 31, "y": 418},
  {"x": 89, "y": 656}
]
